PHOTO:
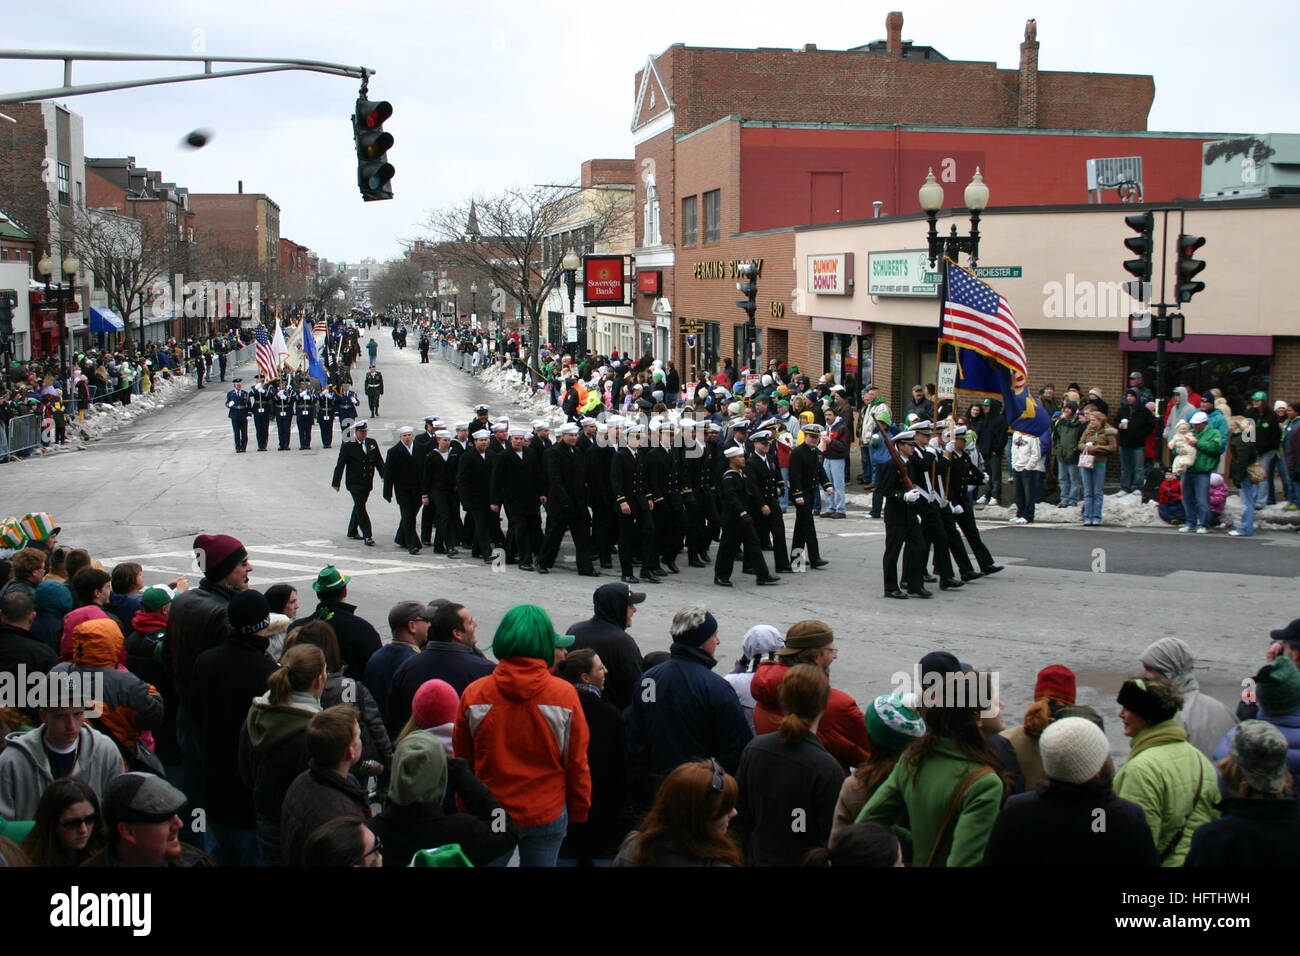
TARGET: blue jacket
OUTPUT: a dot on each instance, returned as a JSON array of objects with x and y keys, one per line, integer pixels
[
  {"x": 1288, "y": 724},
  {"x": 684, "y": 713},
  {"x": 457, "y": 664}
]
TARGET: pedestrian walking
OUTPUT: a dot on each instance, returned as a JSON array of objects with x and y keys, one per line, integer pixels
[
  {"x": 359, "y": 460},
  {"x": 240, "y": 407}
]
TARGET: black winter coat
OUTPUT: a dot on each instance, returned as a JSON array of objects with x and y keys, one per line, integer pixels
[
  {"x": 423, "y": 826},
  {"x": 514, "y": 481},
  {"x": 473, "y": 478},
  {"x": 1250, "y": 833},
  {"x": 401, "y": 472},
  {"x": 992, "y": 431},
  {"x": 198, "y": 620},
  {"x": 618, "y": 651},
  {"x": 1058, "y": 827},
  {"x": 225, "y": 681},
  {"x": 358, "y": 465},
  {"x": 19, "y": 647},
  {"x": 375, "y": 744},
  {"x": 607, "y": 821},
  {"x": 357, "y": 638},
  {"x": 781, "y": 783},
  {"x": 457, "y": 664},
  {"x": 315, "y": 797},
  {"x": 566, "y": 486}
]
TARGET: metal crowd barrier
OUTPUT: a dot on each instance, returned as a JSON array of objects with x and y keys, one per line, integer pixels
[{"x": 24, "y": 434}]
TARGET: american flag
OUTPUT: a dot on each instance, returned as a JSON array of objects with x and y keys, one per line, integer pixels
[
  {"x": 321, "y": 326},
  {"x": 265, "y": 354},
  {"x": 976, "y": 317}
]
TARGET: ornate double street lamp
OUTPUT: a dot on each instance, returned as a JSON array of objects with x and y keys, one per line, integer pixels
[
  {"x": 571, "y": 264},
  {"x": 63, "y": 296},
  {"x": 952, "y": 245}
]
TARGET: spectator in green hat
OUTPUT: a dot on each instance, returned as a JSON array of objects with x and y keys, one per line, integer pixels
[{"x": 357, "y": 637}]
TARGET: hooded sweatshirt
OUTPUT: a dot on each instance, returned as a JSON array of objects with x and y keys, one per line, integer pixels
[
  {"x": 1205, "y": 719},
  {"x": 1180, "y": 410},
  {"x": 272, "y": 752},
  {"x": 617, "y": 649},
  {"x": 130, "y": 704},
  {"x": 53, "y": 600},
  {"x": 525, "y": 736},
  {"x": 25, "y": 769}
]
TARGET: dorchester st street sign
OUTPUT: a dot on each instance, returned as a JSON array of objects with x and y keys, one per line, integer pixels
[{"x": 906, "y": 272}]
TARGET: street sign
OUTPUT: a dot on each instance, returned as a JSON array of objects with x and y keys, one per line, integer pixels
[
  {"x": 692, "y": 328},
  {"x": 690, "y": 341},
  {"x": 947, "y": 379},
  {"x": 986, "y": 272}
]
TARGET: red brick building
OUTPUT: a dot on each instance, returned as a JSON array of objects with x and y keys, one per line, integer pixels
[{"x": 735, "y": 148}]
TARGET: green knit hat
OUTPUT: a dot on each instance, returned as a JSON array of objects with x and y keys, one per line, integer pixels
[
  {"x": 526, "y": 631},
  {"x": 892, "y": 725},
  {"x": 330, "y": 579},
  {"x": 1277, "y": 687},
  {"x": 419, "y": 773}
]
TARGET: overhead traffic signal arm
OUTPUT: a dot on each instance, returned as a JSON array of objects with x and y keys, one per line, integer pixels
[
  {"x": 374, "y": 172},
  {"x": 1189, "y": 267}
]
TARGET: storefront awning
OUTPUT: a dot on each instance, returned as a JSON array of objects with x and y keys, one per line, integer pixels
[
  {"x": 105, "y": 320},
  {"x": 842, "y": 326}
]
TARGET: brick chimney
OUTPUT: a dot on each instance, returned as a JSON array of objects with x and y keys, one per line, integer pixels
[
  {"x": 894, "y": 33},
  {"x": 1027, "y": 114}
]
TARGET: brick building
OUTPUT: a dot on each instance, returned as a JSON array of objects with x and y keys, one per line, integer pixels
[
  {"x": 239, "y": 230},
  {"x": 736, "y": 148}
]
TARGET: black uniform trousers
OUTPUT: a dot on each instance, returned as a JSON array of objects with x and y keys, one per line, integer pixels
[
  {"x": 697, "y": 531},
  {"x": 360, "y": 519},
  {"x": 428, "y": 516},
  {"x": 326, "y": 431},
  {"x": 936, "y": 538},
  {"x": 304, "y": 431},
  {"x": 636, "y": 539},
  {"x": 240, "y": 426},
  {"x": 262, "y": 425},
  {"x": 408, "y": 503},
  {"x": 742, "y": 531},
  {"x": 966, "y": 521},
  {"x": 284, "y": 428},
  {"x": 804, "y": 535},
  {"x": 903, "y": 536},
  {"x": 476, "y": 530},
  {"x": 558, "y": 521},
  {"x": 955, "y": 547},
  {"x": 774, "y": 525},
  {"x": 521, "y": 531},
  {"x": 443, "y": 537}
]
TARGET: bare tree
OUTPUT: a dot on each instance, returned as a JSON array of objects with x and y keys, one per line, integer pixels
[
  {"x": 128, "y": 256},
  {"x": 500, "y": 237},
  {"x": 401, "y": 285},
  {"x": 328, "y": 289}
]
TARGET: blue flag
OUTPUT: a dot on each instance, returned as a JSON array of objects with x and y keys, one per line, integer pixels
[{"x": 314, "y": 366}]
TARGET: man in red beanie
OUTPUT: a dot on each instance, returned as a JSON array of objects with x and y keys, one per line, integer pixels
[{"x": 199, "y": 620}]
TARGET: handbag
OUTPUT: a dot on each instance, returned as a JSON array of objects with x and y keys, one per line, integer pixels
[
  {"x": 1087, "y": 460},
  {"x": 953, "y": 807},
  {"x": 1255, "y": 473}
]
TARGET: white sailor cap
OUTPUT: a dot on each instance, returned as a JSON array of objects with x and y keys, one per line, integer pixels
[
  {"x": 587, "y": 421},
  {"x": 541, "y": 423},
  {"x": 480, "y": 408},
  {"x": 713, "y": 427},
  {"x": 461, "y": 426},
  {"x": 601, "y": 428},
  {"x": 959, "y": 431},
  {"x": 740, "y": 423},
  {"x": 404, "y": 430},
  {"x": 361, "y": 423},
  {"x": 502, "y": 418},
  {"x": 763, "y": 435},
  {"x": 634, "y": 429},
  {"x": 500, "y": 427},
  {"x": 812, "y": 428},
  {"x": 518, "y": 433},
  {"x": 568, "y": 428},
  {"x": 431, "y": 419},
  {"x": 686, "y": 424},
  {"x": 735, "y": 451},
  {"x": 666, "y": 425},
  {"x": 923, "y": 426},
  {"x": 442, "y": 433},
  {"x": 481, "y": 433},
  {"x": 615, "y": 421},
  {"x": 907, "y": 436}
]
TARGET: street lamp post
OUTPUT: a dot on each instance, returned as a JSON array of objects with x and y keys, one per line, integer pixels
[
  {"x": 455, "y": 306},
  {"x": 70, "y": 267},
  {"x": 571, "y": 263},
  {"x": 952, "y": 245}
]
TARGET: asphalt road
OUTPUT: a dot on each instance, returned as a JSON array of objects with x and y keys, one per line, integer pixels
[{"x": 1089, "y": 598}]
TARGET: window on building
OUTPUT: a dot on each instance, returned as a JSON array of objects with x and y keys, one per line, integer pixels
[
  {"x": 65, "y": 198},
  {"x": 690, "y": 221},
  {"x": 713, "y": 216}
]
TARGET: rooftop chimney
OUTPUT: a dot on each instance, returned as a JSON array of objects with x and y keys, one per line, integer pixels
[
  {"x": 894, "y": 33},
  {"x": 241, "y": 187},
  {"x": 1027, "y": 114}
]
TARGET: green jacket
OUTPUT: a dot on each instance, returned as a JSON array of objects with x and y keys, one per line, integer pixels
[
  {"x": 1209, "y": 448},
  {"x": 1161, "y": 777},
  {"x": 922, "y": 795}
]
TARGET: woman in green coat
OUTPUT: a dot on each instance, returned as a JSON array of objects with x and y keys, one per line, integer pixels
[
  {"x": 948, "y": 786},
  {"x": 1172, "y": 781}
]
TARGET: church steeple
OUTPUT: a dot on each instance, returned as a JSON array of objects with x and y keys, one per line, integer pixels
[{"x": 471, "y": 228}]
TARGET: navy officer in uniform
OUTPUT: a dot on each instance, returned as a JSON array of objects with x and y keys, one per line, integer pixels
[
  {"x": 283, "y": 404},
  {"x": 237, "y": 402},
  {"x": 360, "y": 459},
  {"x": 260, "y": 394}
]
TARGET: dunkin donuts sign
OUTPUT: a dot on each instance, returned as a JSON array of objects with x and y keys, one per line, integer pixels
[{"x": 831, "y": 274}]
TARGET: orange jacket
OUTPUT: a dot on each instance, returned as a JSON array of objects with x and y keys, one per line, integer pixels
[
  {"x": 524, "y": 735},
  {"x": 843, "y": 728}
]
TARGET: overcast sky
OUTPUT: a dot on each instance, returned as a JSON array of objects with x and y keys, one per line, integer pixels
[{"x": 501, "y": 92}]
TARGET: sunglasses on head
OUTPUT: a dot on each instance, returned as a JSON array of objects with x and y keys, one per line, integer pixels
[{"x": 717, "y": 783}]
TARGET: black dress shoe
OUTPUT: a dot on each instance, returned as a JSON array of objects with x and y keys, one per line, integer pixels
[
  {"x": 896, "y": 594},
  {"x": 705, "y": 556},
  {"x": 697, "y": 563},
  {"x": 671, "y": 567},
  {"x": 630, "y": 579},
  {"x": 426, "y": 544},
  {"x": 992, "y": 569},
  {"x": 593, "y": 573},
  {"x": 973, "y": 576},
  {"x": 524, "y": 566},
  {"x": 370, "y": 542},
  {"x": 453, "y": 553},
  {"x": 768, "y": 581},
  {"x": 414, "y": 551},
  {"x": 355, "y": 537},
  {"x": 649, "y": 577},
  {"x": 929, "y": 579},
  {"x": 607, "y": 565},
  {"x": 819, "y": 563},
  {"x": 920, "y": 592},
  {"x": 949, "y": 584},
  {"x": 721, "y": 583}
]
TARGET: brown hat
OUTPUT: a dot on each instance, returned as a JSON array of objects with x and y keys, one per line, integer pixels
[{"x": 806, "y": 635}]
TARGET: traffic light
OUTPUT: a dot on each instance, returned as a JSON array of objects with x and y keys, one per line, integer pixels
[
  {"x": 749, "y": 288},
  {"x": 1189, "y": 268},
  {"x": 373, "y": 169},
  {"x": 1143, "y": 223},
  {"x": 6, "y": 317}
]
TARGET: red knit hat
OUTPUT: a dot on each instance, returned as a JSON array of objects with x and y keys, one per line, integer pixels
[
  {"x": 218, "y": 554},
  {"x": 1055, "y": 683},
  {"x": 435, "y": 704}
]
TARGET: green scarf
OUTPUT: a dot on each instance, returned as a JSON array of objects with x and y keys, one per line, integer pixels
[{"x": 1157, "y": 735}]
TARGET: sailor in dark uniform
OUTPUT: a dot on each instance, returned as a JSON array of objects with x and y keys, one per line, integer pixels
[
  {"x": 361, "y": 461},
  {"x": 566, "y": 504},
  {"x": 260, "y": 395},
  {"x": 763, "y": 475},
  {"x": 306, "y": 414},
  {"x": 738, "y": 525},
  {"x": 283, "y": 405},
  {"x": 424, "y": 443},
  {"x": 965, "y": 477},
  {"x": 635, "y": 502},
  {"x": 902, "y": 523},
  {"x": 402, "y": 479},
  {"x": 237, "y": 402},
  {"x": 472, "y": 482},
  {"x": 439, "y": 492},
  {"x": 806, "y": 473},
  {"x": 514, "y": 486},
  {"x": 924, "y": 470},
  {"x": 346, "y": 403},
  {"x": 481, "y": 421},
  {"x": 695, "y": 486}
]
